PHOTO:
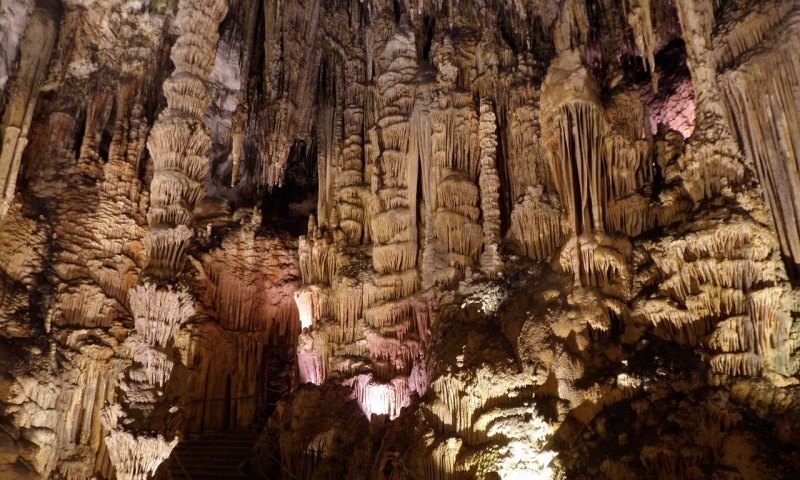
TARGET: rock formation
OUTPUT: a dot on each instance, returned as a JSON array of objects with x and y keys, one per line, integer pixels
[{"x": 400, "y": 239}]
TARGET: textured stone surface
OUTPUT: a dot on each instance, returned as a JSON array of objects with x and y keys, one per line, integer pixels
[{"x": 400, "y": 239}]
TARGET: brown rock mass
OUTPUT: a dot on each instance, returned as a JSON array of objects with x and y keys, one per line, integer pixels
[{"x": 373, "y": 239}]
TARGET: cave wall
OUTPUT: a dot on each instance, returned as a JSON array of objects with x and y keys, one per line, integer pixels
[{"x": 550, "y": 239}]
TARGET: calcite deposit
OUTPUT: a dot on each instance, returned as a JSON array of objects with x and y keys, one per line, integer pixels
[{"x": 373, "y": 239}]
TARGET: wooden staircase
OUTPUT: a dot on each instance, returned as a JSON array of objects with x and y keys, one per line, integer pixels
[{"x": 212, "y": 456}]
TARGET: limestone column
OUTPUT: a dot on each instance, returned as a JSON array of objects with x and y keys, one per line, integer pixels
[
  {"x": 34, "y": 56},
  {"x": 179, "y": 145}
]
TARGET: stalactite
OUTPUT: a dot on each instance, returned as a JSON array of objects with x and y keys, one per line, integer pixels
[
  {"x": 251, "y": 279},
  {"x": 761, "y": 95},
  {"x": 35, "y": 48},
  {"x": 580, "y": 168},
  {"x": 640, "y": 18},
  {"x": 536, "y": 224},
  {"x": 158, "y": 313},
  {"x": 137, "y": 457}
]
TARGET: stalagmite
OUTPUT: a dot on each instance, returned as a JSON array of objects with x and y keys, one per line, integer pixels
[{"x": 180, "y": 145}]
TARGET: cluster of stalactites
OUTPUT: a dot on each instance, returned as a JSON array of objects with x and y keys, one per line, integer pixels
[
  {"x": 599, "y": 261},
  {"x": 291, "y": 66},
  {"x": 319, "y": 254},
  {"x": 627, "y": 144},
  {"x": 159, "y": 313},
  {"x": 156, "y": 365},
  {"x": 158, "y": 316},
  {"x": 712, "y": 161},
  {"x": 762, "y": 94},
  {"x": 179, "y": 143},
  {"x": 600, "y": 158},
  {"x": 464, "y": 415},
  {"x": 366, "y": 330},
  {"x": 536, "y": 229},
  {"x": 379, "y": 322},
  {"x": 572, "y": 123},
  {"x": 250, "y": 283},
  {"x": 329, "y": 304},
  {"x": 723, "y": 289},
  {"x": 137, "y": 457},
  {"x": 381, "y": 398}
]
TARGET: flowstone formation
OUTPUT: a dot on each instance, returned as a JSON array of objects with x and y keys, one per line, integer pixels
[{"x": 376, "y": 239}]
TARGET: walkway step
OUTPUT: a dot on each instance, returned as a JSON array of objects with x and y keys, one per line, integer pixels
[{"x": 212, "y": 456}]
